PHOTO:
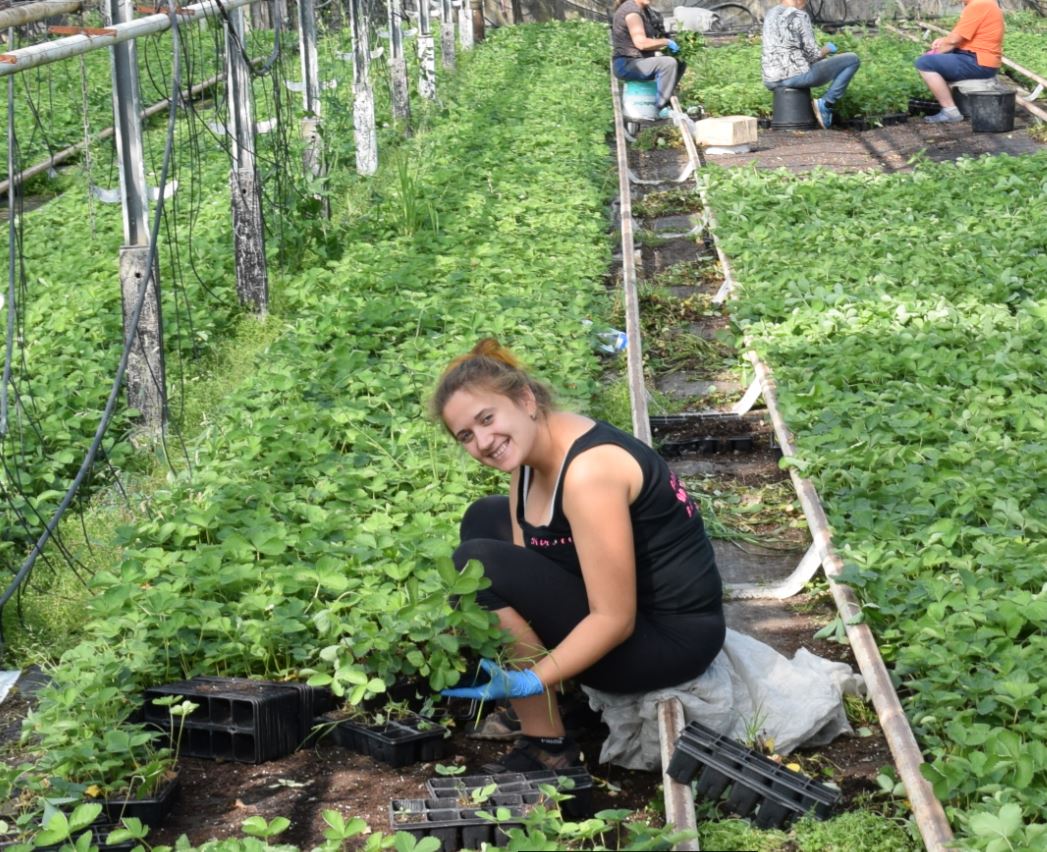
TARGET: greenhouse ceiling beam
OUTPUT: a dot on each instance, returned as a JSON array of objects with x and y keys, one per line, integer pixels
[
  {"x": 53, "y": 51},
  {"x": 30, "y": 13}
]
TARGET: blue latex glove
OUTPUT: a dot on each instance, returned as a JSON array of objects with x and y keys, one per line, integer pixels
[
  {"x": 673, "y": 46},
  {"x": 830, "y": 47},
  {"x": 502, "y": 684}
]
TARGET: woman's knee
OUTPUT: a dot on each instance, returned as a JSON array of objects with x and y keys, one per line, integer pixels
[{"x": 487, "y": 517}]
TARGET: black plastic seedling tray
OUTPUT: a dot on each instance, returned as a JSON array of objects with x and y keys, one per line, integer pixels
[
  {"x": 249, "y": 721},
  {"x": 151, "y": 811},
  {"x": 457, "y": 826},
  {"x": 580, "y": 787},
  {"x": 396, "y": 742},
  {"x": 754, "y": 785}
]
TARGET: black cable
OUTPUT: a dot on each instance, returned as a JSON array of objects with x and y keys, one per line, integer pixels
[{"x": 107, "y": 414}]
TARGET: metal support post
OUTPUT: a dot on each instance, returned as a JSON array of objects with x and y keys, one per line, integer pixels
[
  {"x": 479, "y": 25},
  {"x": 397, "y": 63},
  {"x": 426, "y": 53},
  {"x": 146, "y": 388},
  {"x": 363, "y": 96},
  {"x": 314, "y": 159},
  {"x": 465, "y": 25},
  {"x": 446, "y": 33},
  {"x": 252, "y": 281}
]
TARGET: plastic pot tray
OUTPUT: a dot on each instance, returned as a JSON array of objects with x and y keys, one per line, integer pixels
[
  {"x": 458, "y": 827},
  {"x": 750, "y": 783},
  {"x": 249, "y": 721},
  {"x": 396, "y": 742},
  {"x": 579, "y": 786},
  {"x": 151, "y": 811}
]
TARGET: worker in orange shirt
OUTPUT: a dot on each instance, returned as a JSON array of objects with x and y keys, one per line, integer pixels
[{"x": 972, "y": 51}]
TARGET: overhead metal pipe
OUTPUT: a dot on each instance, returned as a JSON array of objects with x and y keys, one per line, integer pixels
[
  {"x": 53, "y": 51},
  {"x": 30, "y": 13}
]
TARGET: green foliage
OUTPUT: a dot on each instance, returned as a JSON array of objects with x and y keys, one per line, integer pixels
[{"x": 915, "y": 388}]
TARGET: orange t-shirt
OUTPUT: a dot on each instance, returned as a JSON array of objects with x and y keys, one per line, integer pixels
[{"x": 980, "y": 30}]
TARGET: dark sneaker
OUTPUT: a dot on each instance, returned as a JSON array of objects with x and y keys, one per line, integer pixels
[
  {"x": 944, "y": 117},
  {"x": 502, "y": 725},
  {"x": 823, "y": 114},
  {"x": 528, "y": 755}
]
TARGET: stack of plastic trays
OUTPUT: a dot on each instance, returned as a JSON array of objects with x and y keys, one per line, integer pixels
[
  {"x": 751, "y": 784},
  {"x": 237, "y": 719}
]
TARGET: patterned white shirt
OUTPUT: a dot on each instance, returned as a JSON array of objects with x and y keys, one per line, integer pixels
[{"x": 789, "y": 47}]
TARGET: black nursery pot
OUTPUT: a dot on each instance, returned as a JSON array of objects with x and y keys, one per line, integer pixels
[{"x": 151, "y": 811}]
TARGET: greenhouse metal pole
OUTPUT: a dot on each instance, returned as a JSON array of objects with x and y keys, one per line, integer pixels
[
  {"x": 30, "y": 13},
  {"x": 363, "y": 96},
  {"x": 446, "y": 33},
  {"x": 146, "y": 389},
  {"x": 426, "y": 53},
  {"x": 465, "y": 25},
  {"x": 314, "y": 156},
  {"x": 399, "y": 93},
  {"x": 52, "y": 51},
  {"x": 479, "y": 25},
  {"x": 252, "y": 280}
]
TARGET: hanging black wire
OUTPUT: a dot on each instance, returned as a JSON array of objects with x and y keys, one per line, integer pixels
[{"x": 110, "y": 406}]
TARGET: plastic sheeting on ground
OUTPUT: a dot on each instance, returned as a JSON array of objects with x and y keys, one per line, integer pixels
[
  {"x": 7, "y": 680},
  {"x": 749, "y": 689}
]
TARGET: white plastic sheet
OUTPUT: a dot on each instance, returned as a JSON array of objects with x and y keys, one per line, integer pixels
[
  {"x": 7, "y": 680},
  {"x": 750, "y": 688}
]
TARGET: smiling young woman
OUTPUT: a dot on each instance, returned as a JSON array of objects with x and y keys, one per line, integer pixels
[{"x": 599, "y": 564}]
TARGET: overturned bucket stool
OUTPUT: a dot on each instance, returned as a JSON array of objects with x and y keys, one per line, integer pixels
[
  {"x": 792, "y": 109},
  {"x": 992, "y": 111},
  {"x": 639, "y": 103}
]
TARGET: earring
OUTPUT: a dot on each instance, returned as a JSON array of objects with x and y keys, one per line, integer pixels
[{"x": 534, "y": 415}]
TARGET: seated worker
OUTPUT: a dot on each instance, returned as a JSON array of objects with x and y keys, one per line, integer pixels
[
  {"x": 636, "y": 38},
  {"x": 599, "y": 563},
  {"x": 791, "y": 57},
  {"x": 973, "y": 50}
]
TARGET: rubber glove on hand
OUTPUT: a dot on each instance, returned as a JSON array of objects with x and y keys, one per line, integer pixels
[
  {"x": 830, "y": 47},
  {"x": 673, "y": 46},
  {"x": 502, "y": 684}
]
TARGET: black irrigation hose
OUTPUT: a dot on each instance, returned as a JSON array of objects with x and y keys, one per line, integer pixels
[{"x": 114, "y": 392}]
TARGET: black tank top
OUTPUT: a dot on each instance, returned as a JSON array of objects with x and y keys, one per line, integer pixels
[{"x": 675, "y": 567}]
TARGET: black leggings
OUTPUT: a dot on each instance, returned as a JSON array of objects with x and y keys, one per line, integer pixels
[{"x": 665, "y": 649}]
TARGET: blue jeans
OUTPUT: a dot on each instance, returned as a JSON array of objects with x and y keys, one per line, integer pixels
[
  {"x": 954, "y": 65},
  {"x": 839, "y": 69},
  {"x": 666, "y": 70}
]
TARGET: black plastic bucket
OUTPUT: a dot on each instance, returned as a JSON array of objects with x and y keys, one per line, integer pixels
[
  {"x": 991, "y": 112},
  {"x": 792, "y": 109}
]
